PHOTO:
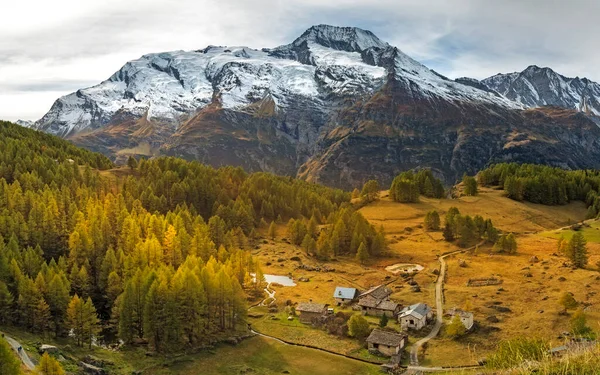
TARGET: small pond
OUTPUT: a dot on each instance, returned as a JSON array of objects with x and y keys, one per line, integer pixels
[
  {"x": 278, "y": 279},
  {"x": 281, "y": 280},
  {"x": 404, "y": 268}
]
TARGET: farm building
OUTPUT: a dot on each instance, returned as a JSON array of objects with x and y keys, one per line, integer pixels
[
  {"x": 465, "y": 317},
  {"x": 386, "y": 342},
  {"x": 309, "y": 311},
  {"x": 379, "y": 292},
  {"x": 345, "y": 295},
  {"x": 376, "y": 301},
  {"x": 373, "y": 307},
  {"x": 416, "y": 316}
]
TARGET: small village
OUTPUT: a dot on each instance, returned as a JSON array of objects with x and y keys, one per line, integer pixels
[{"x": 391, "y": 339}]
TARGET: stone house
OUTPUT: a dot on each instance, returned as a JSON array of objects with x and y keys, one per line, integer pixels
[
  {"x": 376, "y": 302},
  {"x": 310, "y": 311},
  {"x": 373, "y": 307},
  {"x": 415, "y": 317},
  {"x": 344, "y": 295},
  {"x": 386, "y": 342}
]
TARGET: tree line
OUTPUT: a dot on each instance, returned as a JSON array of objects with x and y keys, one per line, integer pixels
[{"x": 544, "y": 184}]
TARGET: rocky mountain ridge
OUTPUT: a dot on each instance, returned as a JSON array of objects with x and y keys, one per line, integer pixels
[{"x": 337, "y": 105}]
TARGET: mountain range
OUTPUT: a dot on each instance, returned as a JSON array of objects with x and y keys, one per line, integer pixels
[{"x": 337, "y": 106}]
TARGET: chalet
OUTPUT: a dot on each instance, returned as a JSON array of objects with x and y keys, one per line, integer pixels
[
  {"x": 344, "y": 295},
  {"x": 386, "y": 342},
  {"x": 310, "y": 311},
  {"x": 376, "y": 301},
  {"x": 465, "y": 317},
  {"x": 416, "y": 316}
]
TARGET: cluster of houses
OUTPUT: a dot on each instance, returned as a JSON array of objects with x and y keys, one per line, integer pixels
[{"x": 376, "y": 302}]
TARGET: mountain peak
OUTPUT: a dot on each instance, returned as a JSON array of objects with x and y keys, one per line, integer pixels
[
  {"x": 351, "y": 39},
  {"x": 537, "y": 69}
]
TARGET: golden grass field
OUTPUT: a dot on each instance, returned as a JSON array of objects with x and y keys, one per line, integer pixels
[{"x": 533, "y": 300}]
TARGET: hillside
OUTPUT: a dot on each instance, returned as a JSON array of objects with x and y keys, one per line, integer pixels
[
  {"x": 336, "y": 106},
  {"x": 531, "y": 289}
]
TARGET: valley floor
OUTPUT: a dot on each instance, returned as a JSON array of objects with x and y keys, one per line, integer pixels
[{"x": 532, "y": 279}]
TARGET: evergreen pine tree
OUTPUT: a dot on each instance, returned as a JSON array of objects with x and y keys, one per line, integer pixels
[
  {"x": 272, "y": 230},
  {"x": 362, "y": 255},
  {"x": 578, "y": 250}
]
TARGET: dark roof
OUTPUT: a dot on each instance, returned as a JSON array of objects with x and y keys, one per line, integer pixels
[
  {"x": 388, "y": 305},
  {"x": 371, "y": 302},
  {"x": 368, "y": 301},
  {"x": 346, "y": 293},
  {"x": 378, "y": 292},
  {"x": 311, "y": 307},
  {"x": 388, "y": 338}
]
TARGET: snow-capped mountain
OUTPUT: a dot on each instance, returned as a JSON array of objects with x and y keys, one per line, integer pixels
[
  {"x": 324, "y": 61},
  {"x": 337, "y": 105},
  {"x": 538, "y": 87}
]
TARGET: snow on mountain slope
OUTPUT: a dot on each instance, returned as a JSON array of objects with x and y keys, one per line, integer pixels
[
  {"x": 324, "y": 63},
  {"x": 24, "y": 123},
  {"x": 537, "y": 87}
]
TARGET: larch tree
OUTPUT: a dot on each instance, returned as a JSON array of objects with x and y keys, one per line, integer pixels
[
  {"x": 58, "y": 299},
  {"x": 362, "y": 255},
  {"x": 272, "y": 230},
  {"x": 6, "y": 304},
  {"x": 9, "y": 363},
  {"x": 470, "y": 185},
  {"x": 370, "y": 191},
  {"x": 49, "y": 366},
  {"x": 132, "y": 162},
  {"x": 577, "y": 250}
]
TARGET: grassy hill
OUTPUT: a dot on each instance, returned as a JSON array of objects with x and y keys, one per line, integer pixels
[{"x": 530, "y": 289}]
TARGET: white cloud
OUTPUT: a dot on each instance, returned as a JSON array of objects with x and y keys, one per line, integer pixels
[{"x": 48, "y": 48}]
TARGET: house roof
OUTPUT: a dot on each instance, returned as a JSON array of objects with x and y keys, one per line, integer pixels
[
  {"x": 346, "y": 293},
  {"x": 373, "y": 303},
  {"x": 311, "y": 307},
  {"x": 418, "y": 310},
  {"x": 378, "y": 292},
  {"x": 368, "y": 301},
  {"x": 388, "y": 305},
  {"x": 388, "y": 338}
]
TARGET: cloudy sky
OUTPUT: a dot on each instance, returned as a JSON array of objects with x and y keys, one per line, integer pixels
[{"x": 51, "y": 48}]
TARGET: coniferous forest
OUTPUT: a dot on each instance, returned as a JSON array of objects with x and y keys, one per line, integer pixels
[
  {"x": 157, "y": 252},
  {"x": 545, "y": 185}
]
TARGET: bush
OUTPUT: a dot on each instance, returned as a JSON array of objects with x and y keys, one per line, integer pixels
[{"x": 358, "y": 327}]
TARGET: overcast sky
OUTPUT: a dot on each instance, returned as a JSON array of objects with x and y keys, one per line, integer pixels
[{"x": 51, "y": 48}]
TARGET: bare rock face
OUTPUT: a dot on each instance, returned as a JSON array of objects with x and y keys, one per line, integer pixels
[
  {"x": 337, "y": 106},
  {"x": 536, "y": 87}
]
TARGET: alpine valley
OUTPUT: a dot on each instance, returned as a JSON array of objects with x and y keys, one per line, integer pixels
[{"x": 337, "y": 106}]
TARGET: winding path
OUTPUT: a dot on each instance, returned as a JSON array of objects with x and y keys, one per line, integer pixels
[
  {"x": 22, "y": 354},
  {"x": 439, "y": 316},
  {"x": 271, "y": 295}
]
